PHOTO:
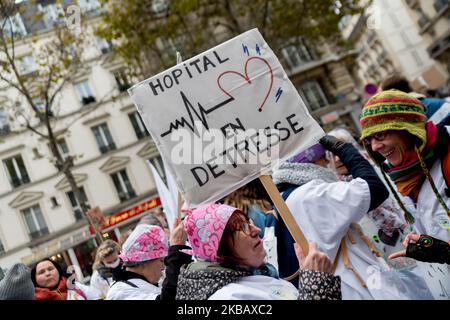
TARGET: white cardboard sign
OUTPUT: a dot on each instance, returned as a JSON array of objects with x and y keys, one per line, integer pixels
[{"x": 239, "y": 90}]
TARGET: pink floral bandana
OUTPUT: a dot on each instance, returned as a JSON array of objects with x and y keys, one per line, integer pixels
[
  {"x": 205, "y": 226},
  {"x": 145, "y": 243}
]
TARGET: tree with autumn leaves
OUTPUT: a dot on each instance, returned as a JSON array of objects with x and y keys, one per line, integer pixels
[{"x": 147, "y": 33}]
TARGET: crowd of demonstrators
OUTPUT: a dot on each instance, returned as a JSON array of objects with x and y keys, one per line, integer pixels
[
  {"x": 241, "y": 249},
  {"x": 385, "y": 225},
  {"x": 328, "y": 211},
  {"x": 414, "y": 154},
  {"x": 106, "y": 264},
  {"x": 232, "y": 262}
]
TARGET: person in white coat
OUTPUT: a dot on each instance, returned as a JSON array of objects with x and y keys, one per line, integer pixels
[
  {"x": 328, "y": 210},
  {"x": 231, "y": 262},
  {"x": 106, "y": 262},
  {"x": 145, "y": 255}
]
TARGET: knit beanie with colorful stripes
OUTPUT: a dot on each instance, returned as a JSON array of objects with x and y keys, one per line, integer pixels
[{"x": 393, "y": 110}]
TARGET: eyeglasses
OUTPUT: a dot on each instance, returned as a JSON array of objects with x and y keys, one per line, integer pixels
[
  {"x": 379, "y": 136},
  {"x": 247, "y": 227}
]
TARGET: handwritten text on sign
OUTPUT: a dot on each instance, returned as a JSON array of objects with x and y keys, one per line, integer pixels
[{"x": 222, "y": 117}]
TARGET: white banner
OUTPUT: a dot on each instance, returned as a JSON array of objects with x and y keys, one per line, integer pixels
[{"x": 221, "y": 118}]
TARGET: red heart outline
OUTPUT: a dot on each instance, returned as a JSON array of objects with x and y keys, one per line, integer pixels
[{"x": 246, "y": 78}]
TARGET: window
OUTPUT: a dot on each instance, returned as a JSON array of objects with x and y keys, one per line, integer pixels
[
  {"x": 2, "y": 249},
  {"x": 440, "y": 4},
  {"x": 104, "y": 45},
  {"x": 35, "y": 222},
  {"x": 52, "y": 14},
  {"x": 138, "y": 125},
  {"x": 423, "y": 19},
  {"x": 417, "y": 59},
  {"x": 103, "y": 137},
  {"x": 40, "y": 105},
  {"x": 16, "y": 170},
  {"x": 76, "y": 207},
  {"x": 169, "y": 46},
  {"x": 296, "y": 55},
  {"x": 84, "y": 92},
  {"x": 405, "y": 38},
  {"x": 160, "y": 6},
  {"x": 88, "y": 5},
  {"x": 4, "y": 122},
  {"x": 62, "y": 147},
  {"x": 14, "y": 26},
  {"x": 123, "y": 185},
  {"x": 313, "y": 95},
  {"x": 54, "y": 202},
  {"x": 28, "y": 65},
  {"x": 157, "y": 162},
  {"x": 122, "y": 80}
]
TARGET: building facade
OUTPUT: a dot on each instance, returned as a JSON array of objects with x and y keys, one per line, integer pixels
[
  {"x": 99, "y": 127},
  {"x": 389, "y": 40},
  {"x": 433, "y": 21}
]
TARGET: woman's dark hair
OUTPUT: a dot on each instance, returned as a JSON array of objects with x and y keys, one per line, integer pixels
[
  {"x": 225, "y": 254},
  {"x": 57, "y": 266}
]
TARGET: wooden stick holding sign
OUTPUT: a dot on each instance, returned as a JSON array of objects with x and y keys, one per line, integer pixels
[
  {"x": 180, "y": 203},
  {"x": 284, "y": 211}
]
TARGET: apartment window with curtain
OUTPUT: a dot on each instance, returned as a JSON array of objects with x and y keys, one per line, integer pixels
[
  {"x": 103, "y": 137},
  {"x": 122, "y": 80},
  {"x": 89, "y": 5},
  {"x": 16, "y": 170},
  {"x": 62, "y": 147},
  {"x": 76, "y": 207},
  {"x": 123, "y": 185},
  {"x": 27, "y": 65},
  {"x": 157, "y": 162},
  {"x": 14, "y": 26},
  {"x": 138, "y": 125},
  {"x": 313, "y": 94},
  {"x": 35, "y": 222},
  {"x": 4, "y": 122},
  {"x": 84, "y": 92},
  {"x": 298, "y": 54}
]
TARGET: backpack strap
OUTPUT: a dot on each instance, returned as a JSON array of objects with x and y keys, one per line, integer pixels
[{"x": 131, "y": 284}]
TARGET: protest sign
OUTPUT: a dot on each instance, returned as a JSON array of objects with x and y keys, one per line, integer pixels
[{"x": 223, "y": 117}]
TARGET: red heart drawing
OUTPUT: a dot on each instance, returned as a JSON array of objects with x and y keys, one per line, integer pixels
[{"x": 246, "y": 78}]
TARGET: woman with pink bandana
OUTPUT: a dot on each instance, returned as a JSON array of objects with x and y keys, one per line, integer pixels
[
  {"x": 231, "y": 262},
  {"x": 145, "y": 255}
]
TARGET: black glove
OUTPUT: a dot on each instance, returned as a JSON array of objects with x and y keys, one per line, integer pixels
[
  {"x": 429, "y": 249},
  {"x": 331, "y": 143}
]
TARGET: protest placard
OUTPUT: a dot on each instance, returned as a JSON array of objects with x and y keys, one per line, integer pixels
[{"x": 223, "y": 117}]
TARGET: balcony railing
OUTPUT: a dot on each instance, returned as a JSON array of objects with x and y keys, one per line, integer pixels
[
  {"x": 142, "y": 134},
  {"x": 123, "y": 87},
  {"x": 423, "y": 20},
  {"x": 87, "y": 100},
  {"x": 439, "y": 47},
  {"x": 39, "y": 233},
  {"x": 440, "y": 5},
  {"x": 124, "y": 196},
  {"x": 110, "y": 147},
  {"x": 17, "y": 182},
  {"x": 412, "y": 3},
  {"x": 5, "y": 130}
]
